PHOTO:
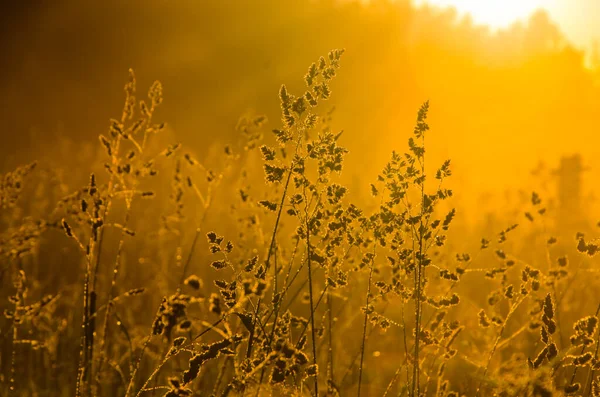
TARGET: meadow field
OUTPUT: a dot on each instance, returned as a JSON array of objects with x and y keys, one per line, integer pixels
[{"x": 336, "y": 198}]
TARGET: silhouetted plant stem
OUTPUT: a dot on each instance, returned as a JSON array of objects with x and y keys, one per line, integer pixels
[
  {"x": 364, "y": 335},
  {"x": 330, "y": 334},
  {"x": 312, "y": 307},
  {"x": 270, "y": 251},
  {"x": 415, "y": 389}
]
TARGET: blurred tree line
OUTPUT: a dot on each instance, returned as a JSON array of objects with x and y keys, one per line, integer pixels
[{"x": 502, "y": 101}]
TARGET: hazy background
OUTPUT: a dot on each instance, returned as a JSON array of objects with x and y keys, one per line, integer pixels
[
  {"x": 515, "y": 106},
  {"x": 576, "y": 18},
  {"x": 503, "y": 100}
]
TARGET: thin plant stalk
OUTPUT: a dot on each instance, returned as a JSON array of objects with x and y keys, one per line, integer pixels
[
  {"x": 270, "y": 251},
  {"x": 312, "y": 307},
  {"x": 419, "y": 276},
  {"x": 364, "y": 336}
]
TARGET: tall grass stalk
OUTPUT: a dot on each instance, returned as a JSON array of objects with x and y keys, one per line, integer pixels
[{"x": 366, "y": 320}]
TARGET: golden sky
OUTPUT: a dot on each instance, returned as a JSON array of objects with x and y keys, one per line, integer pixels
[
  {"x": 578, "y": 19},
  {"x": 500, "y": 104}
]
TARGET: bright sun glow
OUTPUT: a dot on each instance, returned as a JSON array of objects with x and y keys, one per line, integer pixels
[{"x": 495, "y": 13}]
